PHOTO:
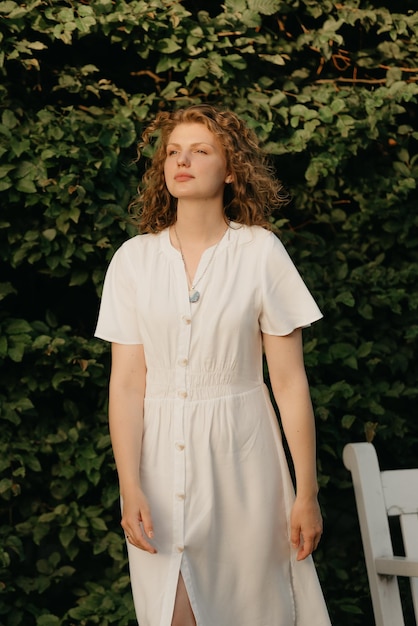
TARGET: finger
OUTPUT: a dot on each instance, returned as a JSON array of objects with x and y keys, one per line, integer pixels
[
  {"x": 295, "y": 536},
  {"x": 305, "y": 550},
  {"x": 147, "y": 523},
  {"x": 316, "y": 542},
  {"x": 308, "y": 546},
  {"x": 137, "y": 538},
  {"x": 135, "y": 535}
]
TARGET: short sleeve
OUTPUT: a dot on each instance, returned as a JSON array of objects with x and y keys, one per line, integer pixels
[
  {"x": 118, "y": 320},
  {"x": 286, "y": 303}
]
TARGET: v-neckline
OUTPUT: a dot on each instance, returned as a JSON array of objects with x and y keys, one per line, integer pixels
[{"x": 200, "y": 267}]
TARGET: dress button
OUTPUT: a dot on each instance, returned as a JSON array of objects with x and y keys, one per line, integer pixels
[
  {"x": 182, "y": 362},
  {"x": 182, "y": 393},
  {"x": 179, "y": 446},
  {"x": 186, "y": 319},
  {"x": 180, "y": 548},
  {"x": 180, "y": 496}
]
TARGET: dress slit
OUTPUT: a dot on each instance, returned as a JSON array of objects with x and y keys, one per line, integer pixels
[{"x": 182, "y": 597}]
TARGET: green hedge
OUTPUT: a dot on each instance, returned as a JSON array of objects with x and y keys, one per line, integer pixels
[{"x": 331, "y": 89}]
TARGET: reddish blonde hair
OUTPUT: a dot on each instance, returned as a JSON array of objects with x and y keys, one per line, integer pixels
[{"x": 249, "y": 199}]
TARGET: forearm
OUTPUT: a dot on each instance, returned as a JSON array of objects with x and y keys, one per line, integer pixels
[
  {"x": 126, "y": 429},
  {"x": 298, "y": 423},
  {"x": 291, "y": 392},
  {"x": 126, "y": 408}
]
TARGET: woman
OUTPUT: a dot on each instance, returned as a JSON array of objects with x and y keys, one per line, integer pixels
[{"x": 215, "y": 534}]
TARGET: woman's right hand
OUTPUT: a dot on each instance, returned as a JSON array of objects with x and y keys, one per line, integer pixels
[{"x": 136, "y": 520}]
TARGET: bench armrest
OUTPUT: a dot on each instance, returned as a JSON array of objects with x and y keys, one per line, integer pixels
[{"x": 397, "y": 566}]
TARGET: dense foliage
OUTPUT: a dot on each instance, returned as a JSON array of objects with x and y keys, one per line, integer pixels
[{"x": 331, "y": 89}]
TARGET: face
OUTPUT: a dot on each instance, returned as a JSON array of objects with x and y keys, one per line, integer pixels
[{"x": 195, "y": 165}]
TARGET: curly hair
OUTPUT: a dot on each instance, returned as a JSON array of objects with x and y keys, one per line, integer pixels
[{"x": 249, "y": 199}]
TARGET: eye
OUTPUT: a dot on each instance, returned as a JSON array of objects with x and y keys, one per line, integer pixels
[
  {"x": 201, "y": 151},
  {"x": 171, "y": 152}
]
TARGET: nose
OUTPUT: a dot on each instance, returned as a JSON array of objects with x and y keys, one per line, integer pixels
[{"x": 183, "y": 159}]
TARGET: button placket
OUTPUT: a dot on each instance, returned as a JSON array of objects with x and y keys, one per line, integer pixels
[{"x": 180, "y": 447}]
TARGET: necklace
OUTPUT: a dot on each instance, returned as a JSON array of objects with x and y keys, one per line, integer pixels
[{"x": 194, "y": 295}]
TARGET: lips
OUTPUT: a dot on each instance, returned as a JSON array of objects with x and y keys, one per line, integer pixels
[{"x": 182, "y": 177}]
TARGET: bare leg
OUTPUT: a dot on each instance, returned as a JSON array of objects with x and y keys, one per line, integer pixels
[{"x": 182, "y": 614}]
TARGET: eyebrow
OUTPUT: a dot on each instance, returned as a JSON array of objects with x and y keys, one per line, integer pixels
[{"x": 193, "y": 145}]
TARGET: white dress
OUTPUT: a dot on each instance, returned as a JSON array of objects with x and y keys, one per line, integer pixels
[{"x": 212, "y": 465}]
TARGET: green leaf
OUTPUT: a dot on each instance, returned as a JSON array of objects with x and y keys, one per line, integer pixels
[
  {"x": 265, "y": 7},
  {"x": 5, "y": 184},
  {"x": 9, "y": 119},
  {"x": 275, "y": 59},
  {"x": 346, "y": 298},
  {"x": 198, "y": 68},
  {"x": 26, "y": 185},
  {"x": 6, "y": 289},
  {"x": 347, "y": 421},
  {"x": 79, "y": 278},
  {"x": 5, "y": 485},
  {"x": 18, "y": 326},
  {"x": 59, "y": 378},
  {"x": 168, "y": 46},
  {"x": 98, "y": 524},
  {"x": 26, "y": 169},
  {"x": 16, "y": 352},
  {"x": 5, "y": 169},
  {"x": 49, "y": 233},
  {"x": 66, "y": 535},
  {"x": 33, "y": 463},
  {"x": 3, "y": 346},
  {"x": 7, "y": 7}
]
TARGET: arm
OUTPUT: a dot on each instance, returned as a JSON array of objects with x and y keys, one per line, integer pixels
[
  {"x": 291, "y": 392},
  {"x": 126, "y": 405}
]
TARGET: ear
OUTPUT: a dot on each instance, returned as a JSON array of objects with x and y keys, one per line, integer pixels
[{"x": 229, "y": 178}]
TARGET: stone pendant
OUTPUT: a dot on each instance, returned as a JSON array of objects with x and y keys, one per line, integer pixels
[{"x": 194, "y": 295}]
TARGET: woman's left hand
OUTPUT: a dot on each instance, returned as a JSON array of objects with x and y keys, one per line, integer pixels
[{"x": 305, "y": 526}]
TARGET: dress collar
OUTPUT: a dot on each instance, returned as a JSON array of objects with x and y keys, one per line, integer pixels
[{"x": 236, "y": 233}]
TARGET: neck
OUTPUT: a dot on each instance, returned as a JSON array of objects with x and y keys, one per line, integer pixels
[{"x": 199, "y": 223}]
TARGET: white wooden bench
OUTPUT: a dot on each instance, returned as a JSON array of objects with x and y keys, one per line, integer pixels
[{"x": 379, "y": 495}]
